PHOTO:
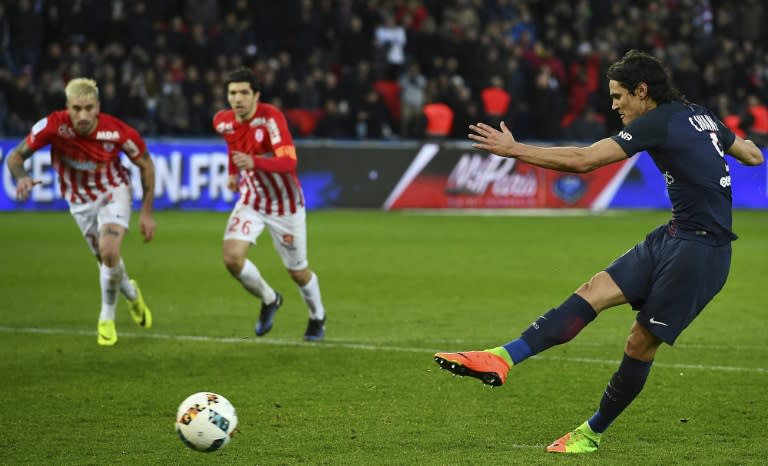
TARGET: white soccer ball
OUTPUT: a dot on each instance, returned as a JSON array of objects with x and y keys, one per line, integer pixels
[{"x": 206, "y": 421}]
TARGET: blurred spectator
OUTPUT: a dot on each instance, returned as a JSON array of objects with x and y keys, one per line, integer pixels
[
  {"x": 468, "y": 110},
  {"x": 199, "y": 115},
  {"x": 390, "y": 40},
  {"x": 336, "y": 124},
  {"x": 439, "y": 120},
  {"x": 6, "y": 59},
  {"x": 138, "y": 25},
  {"x": 496, "y": 101},
  {"x": 134, "y": 107},
  {"x": 372, "y": 120},
  {"x": 5, "y": 87},
  {"x": 754, "y": 121},
  {"x": 354, "y": 43},
  {"x": 23, "y": 105},
  {"x": 27, "y": 33},
  {"x": 413, "y": 88},
  {"x": 589, "y": 126},
  {"x": 203, "y": 12},
  {"x": 109, "y": 100},
  {"x": 546, "y": 105},
  {"x": 172, "y": 110}
]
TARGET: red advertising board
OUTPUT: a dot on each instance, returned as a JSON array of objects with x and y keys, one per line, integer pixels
[{"x": 454, "y": 178}]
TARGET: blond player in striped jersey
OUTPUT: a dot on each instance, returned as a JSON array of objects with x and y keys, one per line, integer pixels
[
  {"x": 262, "y": 165},
  {"x": 85, "y": 152}
]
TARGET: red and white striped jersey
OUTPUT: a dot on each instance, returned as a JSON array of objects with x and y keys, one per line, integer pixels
[
  {"x": 87, "y": 166},
  {"x": 272, "y": 187}
]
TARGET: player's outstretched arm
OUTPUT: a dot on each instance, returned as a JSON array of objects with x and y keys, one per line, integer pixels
[
  {"x": 746, "y": 152},
  {"x": 565, "y": 159},
  {"x": 147, "y": 170},
  {"x": 16, "y": 158}
]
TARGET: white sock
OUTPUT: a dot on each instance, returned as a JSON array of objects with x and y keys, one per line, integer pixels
[
  {"x": 255, "y": 283},
  {"x": 128, "y": 290},
  {"x": 109, "y": 278},
  {"x": 311, "y": 295}
]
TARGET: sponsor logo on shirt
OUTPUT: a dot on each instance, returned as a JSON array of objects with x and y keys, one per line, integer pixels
[
  {"x": 84, "y": 165},
  {"x": 668, "y": 178},
  {"x": 66, "y": 132},
  {"x": 274, "y": 132},
  {"x": 107, "y": 135},
  {"x": 225, "y": 127},
  {"x": 625, "y": 135}
]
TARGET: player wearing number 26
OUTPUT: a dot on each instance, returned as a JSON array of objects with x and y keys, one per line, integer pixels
[
  {"x": 262, "y": 166},
  {"x": 671, "y": 275}
]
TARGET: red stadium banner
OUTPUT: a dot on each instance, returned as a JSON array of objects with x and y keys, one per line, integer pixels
[{"x": 444, "y": 177}]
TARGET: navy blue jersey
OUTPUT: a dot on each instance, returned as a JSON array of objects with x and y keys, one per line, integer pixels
[{"x": 687, "y": 143}]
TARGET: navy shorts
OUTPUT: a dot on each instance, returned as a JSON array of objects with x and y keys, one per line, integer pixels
[{"x": 669, "y": 280}]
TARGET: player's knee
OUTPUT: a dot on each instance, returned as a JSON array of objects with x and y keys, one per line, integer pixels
[
  {"x": 109, "y": 257},
  {"x": 641, "y": 344},
  {"x": 588, "y": 290},
  {"x": 233, "y": 262},
  {"x": 601, "y": 292},
  {"x": 300, "y": 277},
  {"x": 584, "y": 289}
]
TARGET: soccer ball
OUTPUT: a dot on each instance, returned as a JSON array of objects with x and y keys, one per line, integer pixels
[{"x": 206, "y": 421}]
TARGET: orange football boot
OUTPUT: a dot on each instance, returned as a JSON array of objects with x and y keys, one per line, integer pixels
[{"x": 489, "y": 368}]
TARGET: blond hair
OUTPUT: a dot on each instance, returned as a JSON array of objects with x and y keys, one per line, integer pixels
[{"x": 81, "y": 87}]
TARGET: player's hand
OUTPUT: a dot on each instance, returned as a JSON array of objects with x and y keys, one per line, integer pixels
[
  {"x": 24, "y": 187},
  {"x": 242, "y": 160},
  {"x": 232, "y": 184},
  {"x": 147, "y": 226},
  {"x": 491, "y": 139}
]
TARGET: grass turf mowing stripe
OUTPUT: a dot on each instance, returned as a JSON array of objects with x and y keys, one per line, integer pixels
[{"x": 351, "y": 345}]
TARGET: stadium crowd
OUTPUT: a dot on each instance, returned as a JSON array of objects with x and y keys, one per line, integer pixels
[{"x": 371, "y": 69}]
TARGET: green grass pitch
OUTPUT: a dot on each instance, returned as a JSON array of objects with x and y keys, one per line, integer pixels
[{"x": 397, "y": 287}]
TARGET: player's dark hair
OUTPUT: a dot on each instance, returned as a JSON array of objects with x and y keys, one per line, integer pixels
[
  {"x": 637, "y": 67},
  {"x": 241, "y": 75}
]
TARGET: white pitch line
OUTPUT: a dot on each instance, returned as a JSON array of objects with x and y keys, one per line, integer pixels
[{"x": 351, "y": 345}]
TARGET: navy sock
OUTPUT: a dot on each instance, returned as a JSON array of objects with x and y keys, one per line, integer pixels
[
  {"x": 558, "y": 325},
  {"x": 625, "y": 385}
]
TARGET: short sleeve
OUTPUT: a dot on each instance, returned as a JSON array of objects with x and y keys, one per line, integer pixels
[
  {"x": 727, "y": 137},
  {"x": 646, "y": 132},
  {"x": 277, "y": 129},
  {"x": 41, "y": 134},
  {"x": 133, "y": 145}
]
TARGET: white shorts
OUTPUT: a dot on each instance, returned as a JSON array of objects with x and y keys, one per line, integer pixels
[
  {"x": 111, "y": 207},
  {"x": 289, "y": 232}
]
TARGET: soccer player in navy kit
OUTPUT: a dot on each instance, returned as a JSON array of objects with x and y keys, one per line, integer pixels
[{"x": 671, "y": 275}]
